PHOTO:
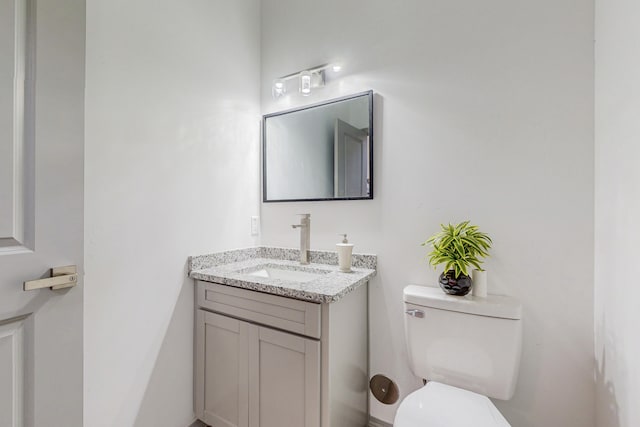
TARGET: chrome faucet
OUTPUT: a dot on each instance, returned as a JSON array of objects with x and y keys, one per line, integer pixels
[{"x": 305, "y": 237}]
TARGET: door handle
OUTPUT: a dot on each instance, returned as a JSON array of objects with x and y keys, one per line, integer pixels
[
  {"x": 61, "y": 277},
  {"x": 415, "y": 313}
]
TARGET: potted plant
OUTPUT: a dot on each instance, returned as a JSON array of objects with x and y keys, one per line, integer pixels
[{"x": 459, "y": 247}]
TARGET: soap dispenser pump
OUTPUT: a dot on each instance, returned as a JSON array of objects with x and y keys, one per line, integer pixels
[{"x": 344, "y": 254}]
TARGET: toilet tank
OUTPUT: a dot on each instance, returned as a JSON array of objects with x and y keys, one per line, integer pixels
[{"x": 467, "y": 342}]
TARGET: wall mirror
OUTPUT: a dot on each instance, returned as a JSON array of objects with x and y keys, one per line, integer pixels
[{"x": 319, "y": 152}]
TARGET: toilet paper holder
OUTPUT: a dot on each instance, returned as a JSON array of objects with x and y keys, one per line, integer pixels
[{"x": 384, "y": 389}]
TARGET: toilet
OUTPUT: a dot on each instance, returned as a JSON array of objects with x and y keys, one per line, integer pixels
[{"x": 467, "y": 349}]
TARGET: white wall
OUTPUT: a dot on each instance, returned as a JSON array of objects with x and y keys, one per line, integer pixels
[
  {"x": 484, "y": 111},
  {"x": 617, "y": 209},
  {"x": 172, "y": 160}
]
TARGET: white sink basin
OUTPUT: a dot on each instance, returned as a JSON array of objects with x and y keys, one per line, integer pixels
[{"x": 283, "y": 274}]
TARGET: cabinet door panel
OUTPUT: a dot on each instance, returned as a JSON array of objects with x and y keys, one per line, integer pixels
[
  {"x": 225, "y": 401},
  {"x": 285, "y": 380}
]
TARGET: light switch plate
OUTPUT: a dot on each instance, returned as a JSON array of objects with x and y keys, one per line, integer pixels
[{"x": 255, "y": 225}]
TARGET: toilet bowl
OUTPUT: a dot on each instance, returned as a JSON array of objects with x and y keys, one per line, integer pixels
[
  {"x": 467, "y": 349},
  {"x": 441, "y": 405}
]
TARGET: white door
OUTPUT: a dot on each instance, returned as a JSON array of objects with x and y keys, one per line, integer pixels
[
  {"x": 351, "y": 161},
  {"x": 41, "y": 210}
]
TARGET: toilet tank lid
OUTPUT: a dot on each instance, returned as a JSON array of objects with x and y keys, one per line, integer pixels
[{"x": 499, "y": 306}]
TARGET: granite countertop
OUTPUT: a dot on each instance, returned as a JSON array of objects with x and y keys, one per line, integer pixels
[{"x": 233, "y": 268}]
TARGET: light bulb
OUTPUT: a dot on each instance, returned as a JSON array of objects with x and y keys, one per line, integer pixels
[
  {"x": 305, "y": 83},
  {"x": 336, "y": 68},
  {"x": 279, "y": 88}
]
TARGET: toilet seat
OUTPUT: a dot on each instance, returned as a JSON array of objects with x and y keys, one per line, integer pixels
[{"x": 440, "y": 405}]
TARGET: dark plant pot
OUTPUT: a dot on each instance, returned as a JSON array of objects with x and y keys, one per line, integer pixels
[{"x": 455, "y": 286}]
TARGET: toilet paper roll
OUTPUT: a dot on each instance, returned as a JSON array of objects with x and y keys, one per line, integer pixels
[{"x": 479, "y": 280}]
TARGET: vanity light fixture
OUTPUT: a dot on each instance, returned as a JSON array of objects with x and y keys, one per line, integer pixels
[{"x": 307, "y": 80}]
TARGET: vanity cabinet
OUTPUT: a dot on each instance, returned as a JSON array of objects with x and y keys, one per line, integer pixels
[
  {"x": 269, "y": 361},
  {"x": 258, "y": 376}
]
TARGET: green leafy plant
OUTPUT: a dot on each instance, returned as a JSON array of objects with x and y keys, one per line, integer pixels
[{"x": 458, "y": 247}]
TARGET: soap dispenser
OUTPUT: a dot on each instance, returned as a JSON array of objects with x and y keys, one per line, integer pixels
[{"x": 344, "y": 254}]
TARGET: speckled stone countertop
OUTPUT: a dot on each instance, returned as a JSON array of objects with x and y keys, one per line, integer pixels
[{"x": 233, "y": 267}]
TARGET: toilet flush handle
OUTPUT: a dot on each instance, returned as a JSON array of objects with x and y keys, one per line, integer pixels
[{"x": 415, "y": 313}]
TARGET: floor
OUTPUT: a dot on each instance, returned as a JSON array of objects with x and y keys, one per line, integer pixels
[{"x": 372, "y": 423}]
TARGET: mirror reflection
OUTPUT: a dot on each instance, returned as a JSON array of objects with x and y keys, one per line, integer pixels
[{"x": 320, "y": 152}]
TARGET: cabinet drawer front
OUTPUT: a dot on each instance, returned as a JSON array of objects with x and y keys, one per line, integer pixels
[{"x": 288, "y": 314}]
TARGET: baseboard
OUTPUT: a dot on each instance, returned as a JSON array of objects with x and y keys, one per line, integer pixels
[{"x": 374, "y": 422}]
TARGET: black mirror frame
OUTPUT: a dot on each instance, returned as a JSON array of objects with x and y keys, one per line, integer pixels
[{"x": 368, "y": 94}]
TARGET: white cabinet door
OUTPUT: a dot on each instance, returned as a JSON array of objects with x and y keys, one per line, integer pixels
[
  {"x": 41, "y": 210},
  {"x": 284, "y": 379},
  {"x": 222, "y": 370}
]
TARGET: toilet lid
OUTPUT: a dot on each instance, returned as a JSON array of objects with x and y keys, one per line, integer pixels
[{"x": 440, "y": 405}]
